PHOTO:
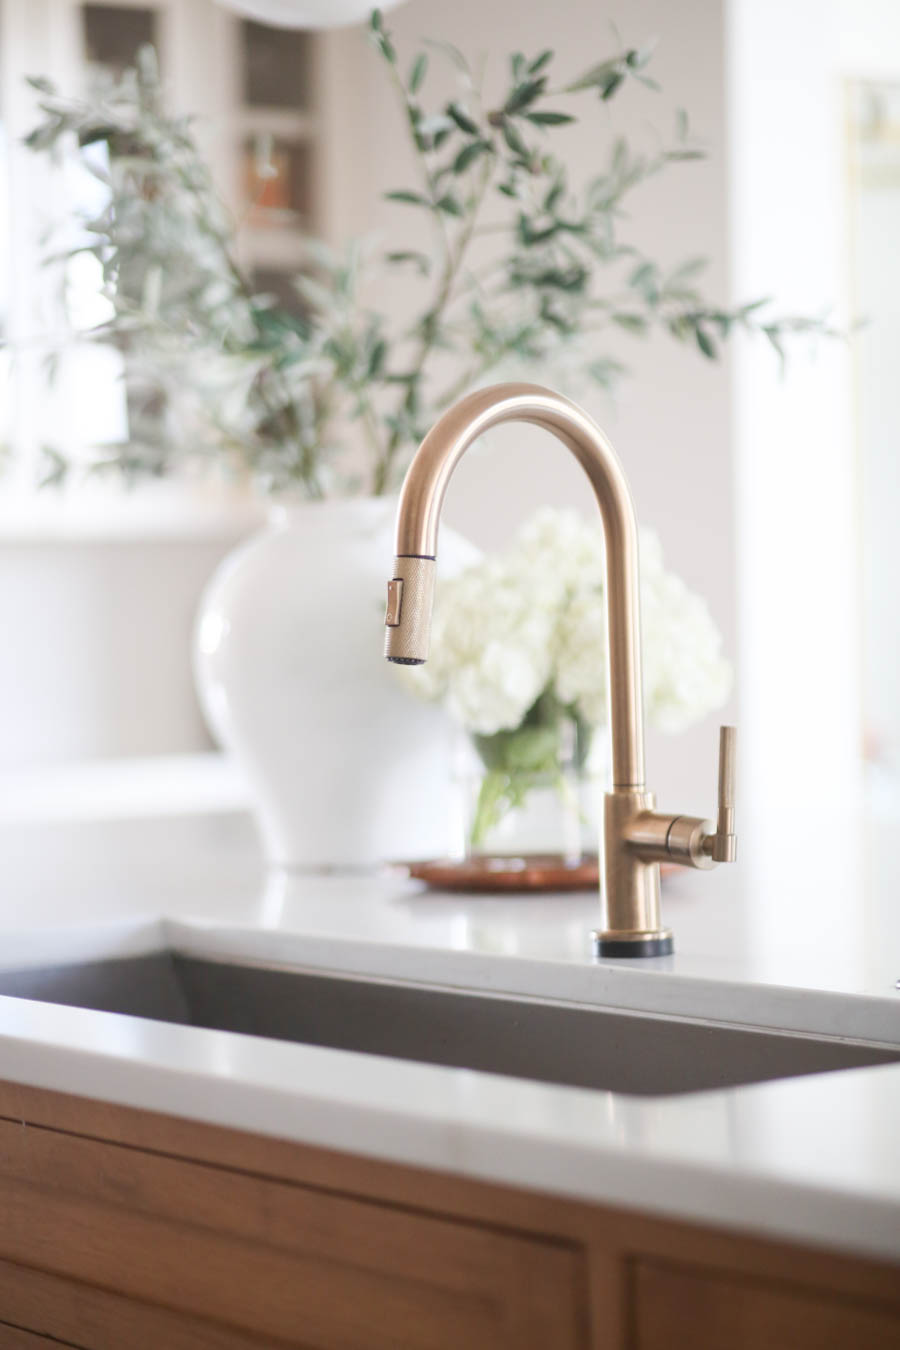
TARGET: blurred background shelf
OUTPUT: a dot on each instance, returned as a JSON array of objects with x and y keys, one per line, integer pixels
[
  {"x": 123, "y": 789},
  {"x": 260, "y": 110}
]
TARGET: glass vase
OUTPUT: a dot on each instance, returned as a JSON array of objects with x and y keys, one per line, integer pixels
[{"x": 533, "y": 791}]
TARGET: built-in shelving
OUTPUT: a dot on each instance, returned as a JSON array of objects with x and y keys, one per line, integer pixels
[{"x": 254, "y": 92}]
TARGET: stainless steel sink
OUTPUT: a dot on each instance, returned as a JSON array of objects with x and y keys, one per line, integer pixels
[{"x": 552, "y": 1043}]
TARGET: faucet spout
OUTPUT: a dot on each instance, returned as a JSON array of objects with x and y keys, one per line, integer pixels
[
  {"x": 636, "y": 837},
  {"x": 418, "y": 519}
]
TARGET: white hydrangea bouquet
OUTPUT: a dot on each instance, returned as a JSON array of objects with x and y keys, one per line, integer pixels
[{"x": 518, "y": 657}]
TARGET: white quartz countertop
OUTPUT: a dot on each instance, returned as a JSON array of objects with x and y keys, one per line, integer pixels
[{"x": 795, "y": 940}]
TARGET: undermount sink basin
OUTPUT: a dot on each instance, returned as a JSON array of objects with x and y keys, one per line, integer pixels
[{"x": 553, "y": 1043}]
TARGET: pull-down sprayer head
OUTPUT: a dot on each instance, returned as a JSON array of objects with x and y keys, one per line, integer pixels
[{"x": 407, "y": 620}]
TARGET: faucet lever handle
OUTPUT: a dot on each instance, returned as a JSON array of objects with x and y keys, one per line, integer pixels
[{"x": 723, "y": 844}]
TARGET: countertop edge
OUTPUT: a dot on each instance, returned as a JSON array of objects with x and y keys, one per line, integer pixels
[{"x": 419, "y": 1131}]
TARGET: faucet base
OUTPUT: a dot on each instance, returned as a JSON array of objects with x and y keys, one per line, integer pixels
[{"x": 613, "y": 944}]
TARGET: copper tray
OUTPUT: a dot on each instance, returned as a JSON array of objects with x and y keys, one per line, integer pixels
[{"x": 530, "y": 872}]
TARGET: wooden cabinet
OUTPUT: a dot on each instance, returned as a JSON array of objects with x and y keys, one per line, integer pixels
[
  {"x": 298, "y": 1265},
  {"x": 15, "y": 1338},
  {"x": 678, "y": 1306},
  {"x": 124, "y": 1230},
  {"x": 96, "y": 1319}
]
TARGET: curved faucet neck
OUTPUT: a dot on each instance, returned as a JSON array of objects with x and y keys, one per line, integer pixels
[{"x": 418, "y": 519}]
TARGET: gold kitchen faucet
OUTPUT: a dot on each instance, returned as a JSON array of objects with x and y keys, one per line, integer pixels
[{"x": 636, "y": 838}]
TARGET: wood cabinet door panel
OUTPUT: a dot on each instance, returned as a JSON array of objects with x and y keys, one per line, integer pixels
[
  {"x": 63, "y": 1312},
  {"x": 678, "y": 1308},
  {"x": 287, "y": 1262},
  {"x": 16, "y": 1338}
]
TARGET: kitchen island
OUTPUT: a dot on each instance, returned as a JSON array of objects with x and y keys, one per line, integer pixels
[{"x": 245, "y": 1187}]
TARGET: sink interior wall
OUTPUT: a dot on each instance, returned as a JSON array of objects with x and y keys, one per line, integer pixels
[
  {"x": 142, "y": 986},
  {"x": 581, "y": 1047}
]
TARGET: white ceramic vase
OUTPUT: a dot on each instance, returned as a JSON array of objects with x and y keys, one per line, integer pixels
[{"x": 347, "y": 768}]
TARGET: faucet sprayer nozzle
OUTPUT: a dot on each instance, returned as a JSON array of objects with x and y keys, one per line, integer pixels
[{"x": 408, "y": 617}]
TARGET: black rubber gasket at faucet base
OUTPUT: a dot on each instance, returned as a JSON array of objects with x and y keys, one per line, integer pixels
[{"x": 615, "y": 947}]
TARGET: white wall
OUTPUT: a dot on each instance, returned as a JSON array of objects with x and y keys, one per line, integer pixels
[
  {"x": 671, "y": 421},
  {"x": 797, "y": 487},
  {"x": 875, "y": 230},
  {"x": 798, "y": 491}
]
